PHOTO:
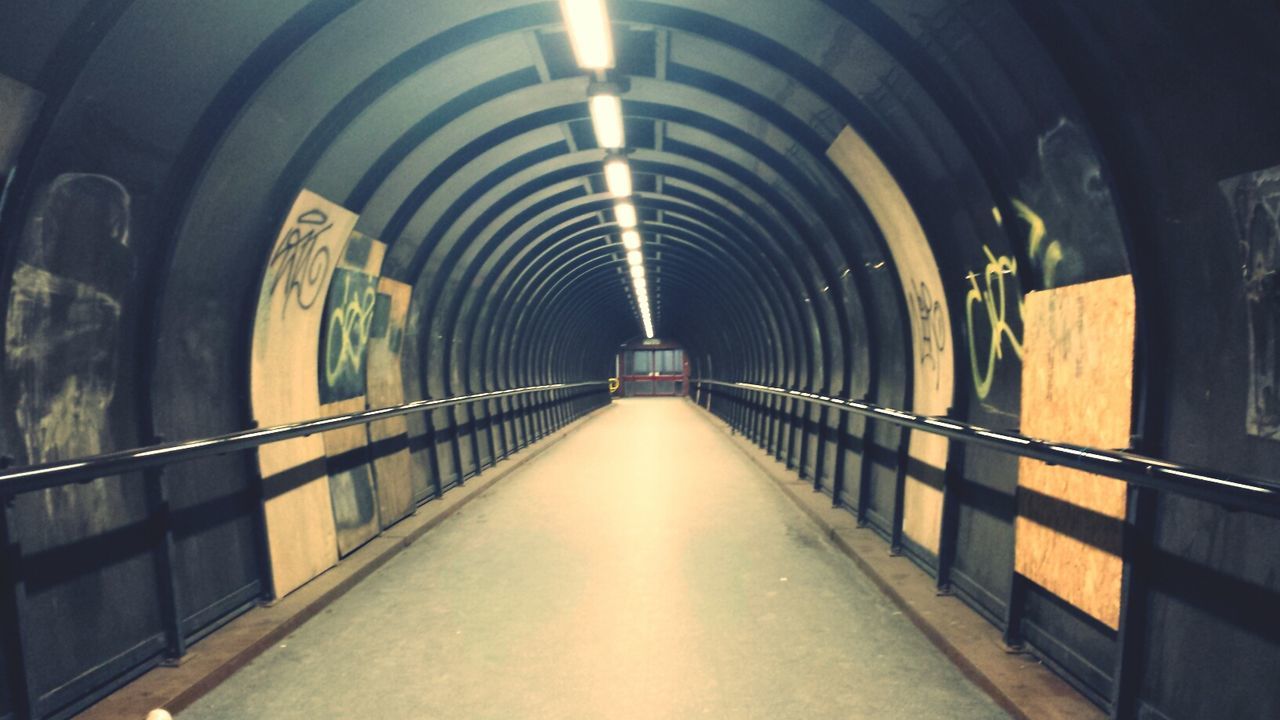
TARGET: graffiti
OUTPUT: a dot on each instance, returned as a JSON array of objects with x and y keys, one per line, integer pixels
[
  {"x": 993, "y": 325},
  {"x": 299, "y": 263},
  {"x": 933, "y": 327},
  {"x": 64, "y": 333},
  {"x": 1045, "y": 255},
  {"x": 990, "y": 293},
  {"x": 349, "y": 324},
  {"x": 1073, "y": 235},
  {"x": 1255, "y": 204}
]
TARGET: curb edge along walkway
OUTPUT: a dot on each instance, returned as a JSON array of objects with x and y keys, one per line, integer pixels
[
  {"x": 231, "y": 647},
  {"x": 1016, "y": 681}
]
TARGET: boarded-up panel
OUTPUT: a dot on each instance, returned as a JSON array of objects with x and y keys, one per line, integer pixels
[
  {"x": 350, "y": 312},
  {"x": 933, "y": 367},
  {"x": 397, "y": 484},
  {"x": 351, "y": 486},
  {"x": 286, "y": 344},
  {"x": 1077, "y": 385}
]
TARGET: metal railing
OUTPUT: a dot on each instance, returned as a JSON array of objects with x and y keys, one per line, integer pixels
[
  {"x": 66, "y": 472},
  {"x": 1230, "y": 490}
]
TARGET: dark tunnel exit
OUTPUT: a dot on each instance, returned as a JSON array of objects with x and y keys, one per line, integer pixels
[{"x": 1035, "y": 218}]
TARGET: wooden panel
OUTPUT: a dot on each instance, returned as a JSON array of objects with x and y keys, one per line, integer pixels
[
  {"x": 349, "y": 319},
  {"x": 286, "y": 337},
  {"x": 1077, "y": 385},
  {"x": 397, "y": 484},
  {"x": 933, "y": 366},
  {"x": 351, "y": 484}
]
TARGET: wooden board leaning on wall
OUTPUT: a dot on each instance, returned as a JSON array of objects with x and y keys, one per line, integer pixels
[
  {"x": 1077, "y": 387},
  {"x": 286, "y": 344},
  {"x": 350, "y": 313},
  {"x": 397, "y": 483}
]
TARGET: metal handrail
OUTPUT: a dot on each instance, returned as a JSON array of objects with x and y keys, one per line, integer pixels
[
  {"x": 1228, "y": 489},
  {"x": 65, "y": 472}
]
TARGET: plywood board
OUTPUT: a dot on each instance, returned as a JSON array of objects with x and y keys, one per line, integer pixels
[
  {"x": 933, "y": 363},
  {"x": 390, "y": 438},
  {"x": 1077, "y": 387},
  {"x": 351, "y": 484},
  {"x": 286, "y": 336},
  {"x": 350, "y": 311}
]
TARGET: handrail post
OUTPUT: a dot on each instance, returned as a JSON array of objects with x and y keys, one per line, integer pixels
[
  {"x": 838, "y": 468},
  {"x": 161, "y": 516},
  {"x": 25, "y": 695},
  {"x": 1139, "y": 556},
  {"x": 903, "y": 456},
  {"x": 433, "y": 454},
  {"x": 953, "y": 481}
]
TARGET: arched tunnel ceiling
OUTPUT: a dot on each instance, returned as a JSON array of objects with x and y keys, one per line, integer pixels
[
  {"x": 459, "y": 133},
  {"x": 461, "y": 137},
  {"x": 846, "y": 197}
]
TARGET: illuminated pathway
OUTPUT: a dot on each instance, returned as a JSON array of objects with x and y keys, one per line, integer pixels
[{"x": 641, "y": 568}]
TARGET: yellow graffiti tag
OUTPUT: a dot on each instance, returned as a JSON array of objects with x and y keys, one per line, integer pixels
[
  {"x": 991, "y": 295},
  {"x": 1046, "y": 255}
]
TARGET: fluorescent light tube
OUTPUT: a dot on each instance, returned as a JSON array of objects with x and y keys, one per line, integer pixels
[
  {"x": 617, "y": 176},
  {"x": 606, "y": 118},
  {"x": 626, "y": 214},
  {"x": 587, "y": 22}
]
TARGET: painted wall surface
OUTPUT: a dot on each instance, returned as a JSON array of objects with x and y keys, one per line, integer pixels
[
  {"x": 21, "y": 106},
  {"x": 1255, "y": 206},
  {"x": 67, "y": 326},
  {"x": 286, "y": 344},
  {"x": 932, "y": 345}
]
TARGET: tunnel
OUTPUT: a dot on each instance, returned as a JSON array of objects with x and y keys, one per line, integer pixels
[{"x": 896, "y": 250}]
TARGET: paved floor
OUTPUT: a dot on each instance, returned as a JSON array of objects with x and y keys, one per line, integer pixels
[{"x": 642, "y": 568}]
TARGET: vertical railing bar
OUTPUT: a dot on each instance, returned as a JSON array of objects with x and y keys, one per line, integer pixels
[
  {"x": 17, "y": 640},
  {"x": 165, "y": 554}
]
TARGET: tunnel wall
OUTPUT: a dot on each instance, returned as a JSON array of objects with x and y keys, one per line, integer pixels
[
  {"x": 128, "y": 261},
  {"x": 851, "y": 199},
  {"x": 1088, "y": 205}
]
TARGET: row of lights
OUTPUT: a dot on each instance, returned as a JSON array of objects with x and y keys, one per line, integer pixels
[{"x": 587, "y": 22}]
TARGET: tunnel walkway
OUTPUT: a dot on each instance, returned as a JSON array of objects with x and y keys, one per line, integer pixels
[{"x": 641, "y": 568}]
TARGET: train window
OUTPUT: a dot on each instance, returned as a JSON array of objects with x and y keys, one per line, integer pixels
[{"x": 640, "y": 362}]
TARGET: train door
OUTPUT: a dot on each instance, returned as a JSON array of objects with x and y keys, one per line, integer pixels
[{"x": 653, "y": 369}]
